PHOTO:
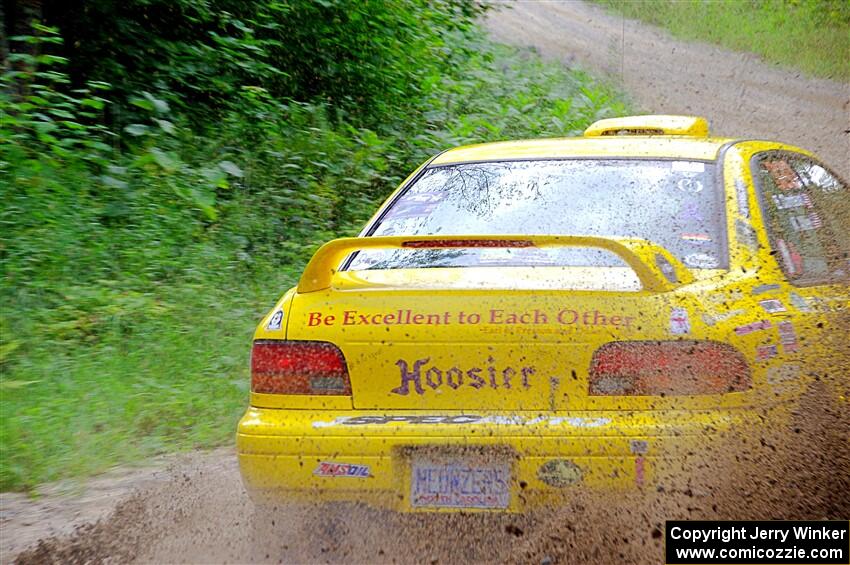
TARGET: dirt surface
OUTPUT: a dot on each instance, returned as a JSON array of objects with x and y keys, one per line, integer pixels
[
  {"x": 739, "y": 94},
  {"x": 193, "y": 508}
]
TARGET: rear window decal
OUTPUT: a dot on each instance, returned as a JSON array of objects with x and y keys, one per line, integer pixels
[
  {"x": 691, "y": 186},
  {"x": 697, "y": 237},
  {"x": 701, "y": 261},
  {"x": 690, "y": 212},
  {"x": 687, "y": 166}
]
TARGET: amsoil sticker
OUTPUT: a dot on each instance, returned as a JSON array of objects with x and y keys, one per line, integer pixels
[
  {"x": 772, "y": 306},
  {"x": 328, "y": 469},
  {"x": 679, "y": 322},
  {"x": 765, "y": 352},
  {"x": 276, "y": 321},
  {"x": 754, "y": 327}
]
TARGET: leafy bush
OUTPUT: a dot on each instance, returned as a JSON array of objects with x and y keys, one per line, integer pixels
[{"x": 139, "y": 253}]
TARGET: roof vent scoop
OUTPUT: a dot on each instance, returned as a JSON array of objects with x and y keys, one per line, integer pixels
[{"x": 691, "y": 126}]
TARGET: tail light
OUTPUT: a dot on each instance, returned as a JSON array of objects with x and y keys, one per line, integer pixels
[
  {"x": 662, "y": 368},
  {"x": 299, "y": 367}
]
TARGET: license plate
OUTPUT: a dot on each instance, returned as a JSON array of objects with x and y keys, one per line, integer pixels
[{"x": 459, "y": 484}]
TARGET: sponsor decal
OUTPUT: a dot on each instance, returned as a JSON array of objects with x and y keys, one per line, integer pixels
[
  {"x": 639, "y": 471},
  {"x": 461, "y": 419},
  {"x": 690, "y": 212},
  {"x": 788, "y": 337},
  {"x": 415, "y": 206},
  {"x": 754, "y": 327},
  {"x": 799, "y": 302},
  {"x": 806, "y": 223},
  {"x": 711, "y": 319},
  {"x": 762, "y": 289},
  {"x": 419, "y": 375},
  {"x": 689, "y": 185},
  {"x": 701, "y": 261},
  {"x": 276, "y": 321},
  {"x": 494, "y": 316},
  {"x": 772, "y": 306},
  {"x": 687, "y": 166},
  {"x": 791, "y": 258},
  {"x": 743, "y": 198},
  {"x": 765, "y": 352},
  {"x": 679, "y": 322},
  {"x": 746, "y": 234},
  {"x": 328, "y": 469},
  {"x": 559, "y": 473},
  {"x": 787, "y": 201},
  {"x": 639, "y": 446}
]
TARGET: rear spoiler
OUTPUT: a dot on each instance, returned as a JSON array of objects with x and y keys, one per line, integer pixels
[{"x": 655, "y": 267}]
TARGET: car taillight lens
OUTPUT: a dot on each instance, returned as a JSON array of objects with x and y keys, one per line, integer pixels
[
  {"x": 662, "y": 368},
  {"x": 299, "y": 367}
]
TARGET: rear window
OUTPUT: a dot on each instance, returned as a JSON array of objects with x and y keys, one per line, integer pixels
[{"x": 675, "y": 204}]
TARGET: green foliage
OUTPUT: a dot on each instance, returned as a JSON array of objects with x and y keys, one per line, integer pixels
[
  {"x": 138, "y": 254},
  {"x": 812, "y": 35},
  {"x": 361, "y": 57}
]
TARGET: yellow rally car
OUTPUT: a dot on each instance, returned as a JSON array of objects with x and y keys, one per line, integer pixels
[{"x": 522, "y": 318}]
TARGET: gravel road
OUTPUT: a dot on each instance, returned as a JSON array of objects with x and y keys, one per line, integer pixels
[
  {"x": 193, "y": 508},
  {"x": 740, "y": 95}
]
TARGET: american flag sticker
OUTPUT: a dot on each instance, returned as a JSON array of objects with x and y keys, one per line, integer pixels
[{"x": 679, "y": 322}]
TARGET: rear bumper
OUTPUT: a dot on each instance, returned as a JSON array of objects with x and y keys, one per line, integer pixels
[{"x": 281, "y": 452}]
